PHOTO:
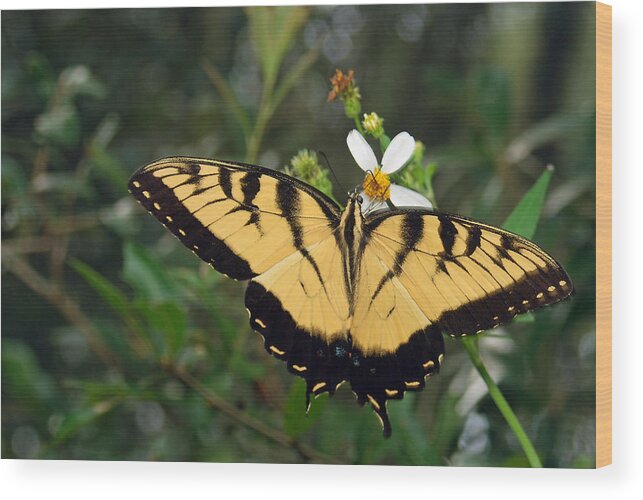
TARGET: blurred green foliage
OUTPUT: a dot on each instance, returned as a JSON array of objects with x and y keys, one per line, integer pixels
[{"x": 119, "y": 345}]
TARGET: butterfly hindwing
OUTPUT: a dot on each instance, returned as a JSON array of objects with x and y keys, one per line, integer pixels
[
  {"x": 422, "y": 273},
  {"x": 300, "y": 307}
]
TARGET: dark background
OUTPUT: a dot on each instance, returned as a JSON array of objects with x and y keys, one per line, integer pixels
[{"x": 100, "y": 305}]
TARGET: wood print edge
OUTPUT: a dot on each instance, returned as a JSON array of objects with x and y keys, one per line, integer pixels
[{"x": 603, "y": 234}]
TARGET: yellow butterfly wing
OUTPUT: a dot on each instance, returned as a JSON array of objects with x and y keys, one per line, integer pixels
[
  {"x": 375, "y": 315},
  {"x": 422, "y": 274},
  {"x": 253, "y": 223}
]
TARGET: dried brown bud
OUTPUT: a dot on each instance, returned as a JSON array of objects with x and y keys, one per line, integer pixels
[{"x": 342, "y": 84}]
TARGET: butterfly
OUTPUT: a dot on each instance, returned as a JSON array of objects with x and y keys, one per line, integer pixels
[{"x": 340, "y": 295}]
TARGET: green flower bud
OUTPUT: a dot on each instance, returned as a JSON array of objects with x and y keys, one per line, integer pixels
[
  {"x": 305, "y": 166},
  {"x": 353, "y": 106},
  {"x": 373, "y": 124}
]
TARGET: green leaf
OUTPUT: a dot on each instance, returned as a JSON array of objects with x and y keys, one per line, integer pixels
[
  {"x": 58, "y": 126},
  {"x": 412, "y": 434},
  {"x": 96, "y": 391},
  {"x": 119, "y": 303},
  {"x": 22, "y": 377},
  {"x": 100, "y": 160},
  {"x": 527, "y": 317},
  {"x": 79, "y": 419},
  {"x": 226, "y": 93},
  {"x": 41, "y": 74},
  {"x": 15, "y": 181},
  {"x": 296, "y": 421},
  {"x": 447, "y": 424},
  {"x": 108, "y": 292},
  {"x": 169, "y": 319},
  {"x": 244, "y": 368},
  {"x": 524, "y": 218},
  {"x": 494, "y": 103},
  {"x": 293, "y": 76},
  {"x": 147, "y": 276},
  {"x": 272, "y": 30}
]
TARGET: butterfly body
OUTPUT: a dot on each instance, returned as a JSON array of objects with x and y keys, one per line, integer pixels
[{"x": 344, "y": 296}]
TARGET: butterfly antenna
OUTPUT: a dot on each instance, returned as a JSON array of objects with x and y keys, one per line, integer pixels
[{"x": 323, "y": 155}]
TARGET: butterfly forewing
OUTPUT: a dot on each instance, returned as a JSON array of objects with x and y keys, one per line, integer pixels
[
  {"x": 467, "y": 276},
  {"x": 236, "y": 217}
]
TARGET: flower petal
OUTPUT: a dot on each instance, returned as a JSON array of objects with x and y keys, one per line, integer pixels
[
  {"x": 370, "y": 205},
  {"x": 399, "y": 151},
  {"x": 404, "y": 197},
  {"x": 361, "y": 151}
]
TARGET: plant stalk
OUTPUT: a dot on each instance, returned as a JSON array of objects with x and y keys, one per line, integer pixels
[{"x": 471, "y": 346}]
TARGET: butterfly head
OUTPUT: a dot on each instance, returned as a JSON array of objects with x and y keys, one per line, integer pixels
[
  {"x": 355, "y": 200},
  {"x": 355, "y": 195}
]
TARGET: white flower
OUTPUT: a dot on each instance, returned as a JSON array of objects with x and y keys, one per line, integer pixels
[{"x": 378, "y": 188}]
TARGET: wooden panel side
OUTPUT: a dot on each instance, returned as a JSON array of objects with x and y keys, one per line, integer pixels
[{"x": 603, "y": 234}]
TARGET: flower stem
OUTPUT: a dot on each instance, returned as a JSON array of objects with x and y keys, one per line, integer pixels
[
  {"x": 358, "y": 125},
  {"x": 471, "y": 346}
]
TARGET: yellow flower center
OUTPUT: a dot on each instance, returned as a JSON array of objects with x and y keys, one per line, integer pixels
[{"x": 377, "y": 185}]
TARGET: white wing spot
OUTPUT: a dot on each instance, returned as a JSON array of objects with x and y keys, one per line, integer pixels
[
  {"x": 525, "y": 302},
  {"x": 562, "y": 283},
  {"x": 375, "y": 404},
  {"x": 146, "y": 194},
  {"x": 551, "y": 289},
  {"x": 260, "y": 323},
  {"x": 391, "y": 392},
  {"x": 415, "y": 383},
  {"x": 428, "y": 364},
  {"x": 157, "y": 206},
  {"x": 318, "y": 386},
  {"x": 510, "y": 308},
  {"x": 440, "y": 358},
  {"x": 168, "y": 218},
  {"x": 181, "y": 232},
  {"x": 299, "y": 368},
  {"x": 136, "y": 184},
  {"x": 540, "y": 295},
  {"x": 274, "y": 349}
]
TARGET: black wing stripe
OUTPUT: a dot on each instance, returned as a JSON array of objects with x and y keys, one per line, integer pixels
[
  {"x": 473, "y": 239},
  {"x": 173, "y": 214},
  {"x": 411, "y": 232},
  {"x": 225, "y": 181},
  {"x": 288, "y": 199},
  {"x": 250, "y": 185},
  {"x": 447, "y": 232}
]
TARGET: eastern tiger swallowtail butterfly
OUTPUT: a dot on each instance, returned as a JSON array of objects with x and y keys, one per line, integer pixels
[{"x": 343, "y": 296}]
